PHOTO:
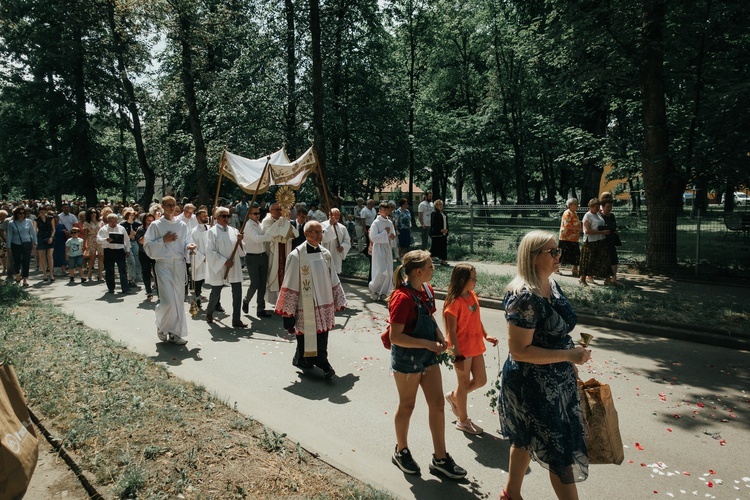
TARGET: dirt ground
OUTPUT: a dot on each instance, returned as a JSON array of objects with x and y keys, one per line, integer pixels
[{"x": 52, "y": 478}]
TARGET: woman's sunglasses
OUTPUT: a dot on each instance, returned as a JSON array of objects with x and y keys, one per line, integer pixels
[{"x": 553, "y": 252}]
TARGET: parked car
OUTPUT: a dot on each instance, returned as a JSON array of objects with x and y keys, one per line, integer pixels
[{"x": 740, "y": 199}]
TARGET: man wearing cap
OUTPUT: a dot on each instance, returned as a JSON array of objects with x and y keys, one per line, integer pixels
[{"x": 116, "y": 245}]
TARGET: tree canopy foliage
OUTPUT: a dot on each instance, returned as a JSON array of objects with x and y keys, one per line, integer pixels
[{"x": 507, "y": 101}]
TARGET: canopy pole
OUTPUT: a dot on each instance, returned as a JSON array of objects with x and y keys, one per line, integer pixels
[
  {"x": 325, "y": 193},
  {"x": 218, "y": 184},
  {"x": 247, "y": 214}
]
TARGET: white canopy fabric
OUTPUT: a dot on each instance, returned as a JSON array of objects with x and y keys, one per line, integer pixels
[{"x": 246, "y": 173}]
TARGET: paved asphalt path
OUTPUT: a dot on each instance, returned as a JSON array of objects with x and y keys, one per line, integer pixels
[{"x": 684, "y": 408}]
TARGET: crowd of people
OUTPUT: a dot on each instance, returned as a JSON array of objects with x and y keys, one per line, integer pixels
[{"x": 293, "y": 261}]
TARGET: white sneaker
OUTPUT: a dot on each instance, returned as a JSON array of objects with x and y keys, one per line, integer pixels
[
  {"x": 162, "y": 336},
  {"x": 177, "y": 340}
]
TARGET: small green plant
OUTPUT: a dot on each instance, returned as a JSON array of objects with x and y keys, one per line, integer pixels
[
  {"x": 151, "y": 452},
  {"x": 272, "y": 442},
  {"x": 131, "y": 482}
]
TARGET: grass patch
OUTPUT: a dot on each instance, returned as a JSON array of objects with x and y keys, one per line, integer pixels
[
  {"x": 140, "y": 432},
  {"x": 627, "y": 303}
]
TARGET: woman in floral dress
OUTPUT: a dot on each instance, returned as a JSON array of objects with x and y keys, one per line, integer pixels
[{"x": 539, "y": 408}]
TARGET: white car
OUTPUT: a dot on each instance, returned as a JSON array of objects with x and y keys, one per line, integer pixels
[{"x": 740, "y": 199}]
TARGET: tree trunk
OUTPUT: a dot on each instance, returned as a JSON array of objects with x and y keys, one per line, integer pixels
[
  {"x": 663, "y": 185},
  {"x": 148, "y": 173},
  {"x": 82, "y": 144},
  {"x": 318, "y": 107},
  {"x": 188, "y": 83},
  {"x": 291, "y": 82}
]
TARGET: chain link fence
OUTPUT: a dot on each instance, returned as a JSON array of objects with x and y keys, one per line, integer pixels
[{"x": 707, "y": 244}]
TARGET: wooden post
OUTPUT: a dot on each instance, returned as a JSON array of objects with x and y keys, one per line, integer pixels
[
  {"x": 325, "y": 193},
  {"x": 218, "y": 184}
]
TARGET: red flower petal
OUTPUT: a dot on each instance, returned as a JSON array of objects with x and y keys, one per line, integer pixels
[
  {"x": 638, "y": 446},
  {"x": 712, "y": 472},
  {"x": 669, "y": 430}
]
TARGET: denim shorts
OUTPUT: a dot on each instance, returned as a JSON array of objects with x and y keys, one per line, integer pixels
[
  {"x": 75, "y": 262},
  {"x": 411, "y": 360}
]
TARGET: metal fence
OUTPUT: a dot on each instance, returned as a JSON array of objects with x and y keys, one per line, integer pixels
[{"x": 705, "y": 244}]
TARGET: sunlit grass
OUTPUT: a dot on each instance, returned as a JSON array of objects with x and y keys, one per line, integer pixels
[{"x": 626, "y": 303}]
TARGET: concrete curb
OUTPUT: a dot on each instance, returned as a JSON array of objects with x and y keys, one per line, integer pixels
[{"x": 678, "y": 331}]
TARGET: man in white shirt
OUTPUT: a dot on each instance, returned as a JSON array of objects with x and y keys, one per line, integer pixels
[
  {"x": 256, "y": 262},
  {"x": 114, "y": 240},
  {"x": 338, "y": 245},
  {"x": 425, "y": 210},
  {"x": 223, "y": 267},
  {"x": 67, "y": 219},
  {"x": 168, "y": 242}
]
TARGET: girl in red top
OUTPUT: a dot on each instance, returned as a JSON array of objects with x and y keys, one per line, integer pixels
[
  {"x": 416, "y": 341},
  {"x": 466, "y": 334}
]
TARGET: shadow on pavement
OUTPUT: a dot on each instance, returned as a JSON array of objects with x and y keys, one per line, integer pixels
[
  {"x": 111, "y": 298},
  {"x": 314, "y": 387},
  {"x": 174, "y": 355},
  {"x": 703, "y": 390},
  {"x": 491, "y": 451},
  {"x": 225, "y": 332},
  {"x": 429, "y": 485}
]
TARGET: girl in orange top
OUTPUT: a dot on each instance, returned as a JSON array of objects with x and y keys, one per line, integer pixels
[{"x": 466, "y": 335}]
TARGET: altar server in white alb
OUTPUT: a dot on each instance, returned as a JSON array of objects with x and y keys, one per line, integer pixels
[
  {"x": 200, "y": 238},
  {"x": 382, "y": 241},
  {"x": 339, "y": 247},
  {"x": 222, "y": 267},
  {"x": 168, "y": 242},
  {"x": 310, "y": 296}
]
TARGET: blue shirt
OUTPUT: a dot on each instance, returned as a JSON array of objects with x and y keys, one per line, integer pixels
[
  {"x": 21, "y": 232},
  {"x": 403, "y": 219}
]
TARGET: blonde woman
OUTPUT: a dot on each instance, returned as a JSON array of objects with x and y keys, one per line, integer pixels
[{"x": 540, "y": 412}]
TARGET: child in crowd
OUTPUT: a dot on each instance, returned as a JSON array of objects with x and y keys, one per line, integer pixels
[
  {"x": 74, "y": 255},
  {"x": 466, "y": 335}
]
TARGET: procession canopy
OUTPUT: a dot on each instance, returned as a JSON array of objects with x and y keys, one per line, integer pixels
[{"x": 248, "y": 174}]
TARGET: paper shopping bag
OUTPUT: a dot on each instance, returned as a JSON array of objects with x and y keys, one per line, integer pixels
[
  {"x": 603, "y": 439},
  {"x": 19, "y": 447}
]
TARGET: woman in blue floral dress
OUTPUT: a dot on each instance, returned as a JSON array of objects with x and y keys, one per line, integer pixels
[{"x": 539, "y": 408}]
